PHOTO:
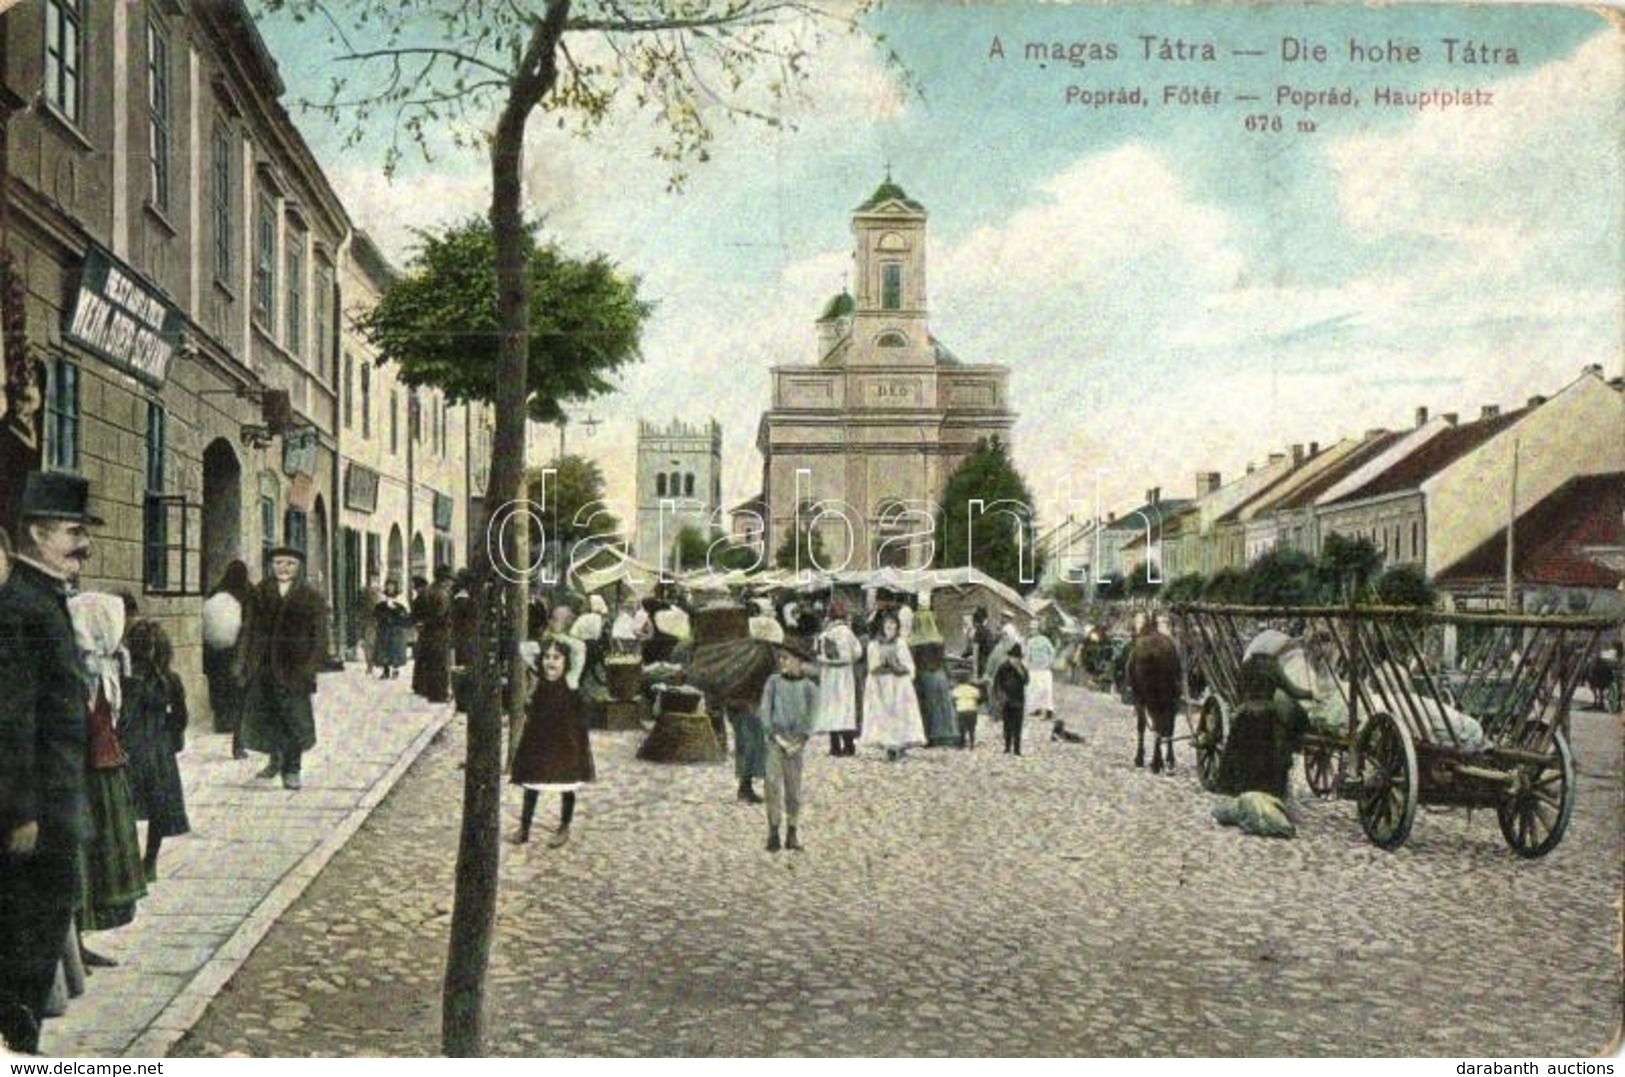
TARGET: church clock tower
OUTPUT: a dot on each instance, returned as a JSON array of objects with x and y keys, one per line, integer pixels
[{"x": 889, "y": 325}]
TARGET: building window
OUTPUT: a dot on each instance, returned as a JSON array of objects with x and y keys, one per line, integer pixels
[
  {"x": 366, "y": 401},
  {"x": 61, "y": 415},
  {"x": 222, "y": 203},
  {"x": 156, "y": 560},
  {"x": 688, "y": 484},
  {"x": 891, "y": 286},
  {"x": 349, "y": 391},
  {"x": 660, "y": 484},
  {"x": 267, "y": 532},
  {"x": 64, "y": 51},
  {"x": 323, "y": 319},
  {"x": 265, "y": 265},
  {"x": 674, "y": 483},
  {"x": 158, "y": 97},
  {"x": 1416, "y": 541},
  {"x": 394, "y": 422},
  {"x": 296, "y": 530},
  {"x": 295, "y": 341}
]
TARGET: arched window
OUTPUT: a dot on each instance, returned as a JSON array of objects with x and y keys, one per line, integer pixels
[
  {"x": 674, "y": 483},
  {"x": 891, "y": 340},
  {"x": 660, "y": 484},
  {"x": 688, "y": 484}
]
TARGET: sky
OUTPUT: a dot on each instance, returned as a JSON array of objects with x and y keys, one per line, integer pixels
[{"x": 1175, "y": 288}]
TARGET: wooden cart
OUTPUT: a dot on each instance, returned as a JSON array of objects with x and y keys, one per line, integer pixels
[{"x": 1492, "y": 733}]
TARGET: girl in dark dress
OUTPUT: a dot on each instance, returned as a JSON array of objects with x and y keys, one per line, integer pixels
[
  {"x": 394, "y": 622},
  {"x": 553, "y": 755},
  {"x": 153, "y": 727}
]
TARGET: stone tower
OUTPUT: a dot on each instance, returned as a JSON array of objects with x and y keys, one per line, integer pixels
[
  {"x": 679, "y": 485},
  {"x": 867, "y": 434}
]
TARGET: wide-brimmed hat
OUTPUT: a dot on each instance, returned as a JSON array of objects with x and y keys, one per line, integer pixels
[
  {"x": 56, "y": 495},
  {"x": 285, "y": 551}
]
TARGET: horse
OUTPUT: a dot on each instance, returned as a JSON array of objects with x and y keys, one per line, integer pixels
[{"x": 1154, "y": 673}]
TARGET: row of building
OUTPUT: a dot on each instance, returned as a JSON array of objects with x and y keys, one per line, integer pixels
[
  {"x": 180, "y": 286},
  {"x": 1438, "y": 496}
]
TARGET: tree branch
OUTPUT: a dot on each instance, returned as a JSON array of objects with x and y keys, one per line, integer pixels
[{"x": 434, "y": 52}]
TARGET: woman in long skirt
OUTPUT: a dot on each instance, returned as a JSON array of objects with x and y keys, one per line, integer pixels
[
  {"x": 891, "y": 712},
  {"x": 113, "y": 880},
  {"x": 153, "y": 728},
  {"x": 553, "y": 754},
  {"x": 838, "y": 651},
  {"x": 392, "y": 623}
]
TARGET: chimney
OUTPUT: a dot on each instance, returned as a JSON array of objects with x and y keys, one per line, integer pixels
[
  {"x": 1314, "y": 449},
  {"x": 1536, "y": 401},
  {"x": 1616, "y": 383},
  {"x": 1277, "y": 457},
  {"x": 1111, "y": 517},
  {"x": 1489, "y": 411},
  {"x": 1153, "y": 495},
  {"x": 1374, "y": 433},
  {"x": 1421, "y": 416},
  {"x": 1206, "y": 482},
  {"x": 1297, "y": 455},
  {"x": 1249, "y": 467},
  {"x": 1592, "y": 368},
  {"x": 1450, "y": 418}
]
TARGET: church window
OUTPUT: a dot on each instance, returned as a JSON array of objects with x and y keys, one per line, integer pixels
[
  {"x": 891, "y": 241},
  {"x": 688, "y": 484},
  {"x": 674, "y": 483},
  {"x": 891, "y": 286},
  {"x": 660, "y": 484},
  {"x": 892, "y": 340}
]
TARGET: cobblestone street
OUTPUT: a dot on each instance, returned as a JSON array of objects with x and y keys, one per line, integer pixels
[{"x": 960, "y": 903}]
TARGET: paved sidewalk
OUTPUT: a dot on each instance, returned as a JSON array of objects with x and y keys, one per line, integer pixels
[{"x": 253, "y": 850}]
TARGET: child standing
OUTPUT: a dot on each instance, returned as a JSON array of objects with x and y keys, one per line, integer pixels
[
  {"x": 153, "y": 727},
  {"x": 789, "y": 705},
  {"x": 393, "y": 622},
  {"x": 553, "y": 754},
  {"x": 1011, "y": 683},
  {"x": 967, "y": 705}
]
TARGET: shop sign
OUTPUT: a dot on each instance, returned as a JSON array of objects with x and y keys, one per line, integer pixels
[
  {"x": 123, "y": 320},
  {"x": 361, "y": 488},
  {"x": 299, "y": 452},
  {"x": 442, "y": 512}
]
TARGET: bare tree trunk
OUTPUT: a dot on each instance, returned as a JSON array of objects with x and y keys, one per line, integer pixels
[{"x": 473, "y": 918}]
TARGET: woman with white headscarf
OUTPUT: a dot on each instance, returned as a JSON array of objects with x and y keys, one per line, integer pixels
[{"x": 113, "y": 879}]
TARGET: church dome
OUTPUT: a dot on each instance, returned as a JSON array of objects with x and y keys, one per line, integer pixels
[
  {"x": 890, "y": 192},
  {"x": 840, "y": 306}
]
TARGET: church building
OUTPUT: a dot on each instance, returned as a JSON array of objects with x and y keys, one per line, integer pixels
[{"x": 860, "y": 442}]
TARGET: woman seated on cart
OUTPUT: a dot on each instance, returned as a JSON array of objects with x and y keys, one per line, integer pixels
[{"x": 1268, "y": 722}]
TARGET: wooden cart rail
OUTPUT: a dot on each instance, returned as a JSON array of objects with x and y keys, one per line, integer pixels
[{"x": 1491, "y": 731}]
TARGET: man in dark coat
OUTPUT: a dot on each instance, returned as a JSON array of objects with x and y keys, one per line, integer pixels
[
  {"x": 284, "y": 644},
  {"x": 431, "y": 657},
  {"x": 44, "y": 817}
]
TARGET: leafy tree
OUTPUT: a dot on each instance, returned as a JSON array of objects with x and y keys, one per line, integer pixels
[
  {"x": 569, "y": 495},
  {"x": 736, "y": 556},
  {"x": 478, "y": 72},
  {"x": 1283, "y": 578},
  {"x": 1346, "y": 566},
  {"x": 1140, "y": 584},
  {"x": 1113, "y": 588},
  {"x": 802, "y": 548},
  {"x": 997, "y": 535},
  {"x": 1404, "y": 585},
  {"x": 689, "y": 549},
  {"x": 440, "y": 323},
  {"x": 1227, "y": 585},
  {"x": 1187, "y": 588}
]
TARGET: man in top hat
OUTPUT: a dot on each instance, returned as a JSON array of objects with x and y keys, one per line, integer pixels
[
  {"x": 284, "y": 644},
  {"x": 44, "y": 817}
]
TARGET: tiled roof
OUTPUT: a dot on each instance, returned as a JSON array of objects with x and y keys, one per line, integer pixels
[
  {"x": 1438, "y": 453},
  {"x": 1150, "y": 512},
  {"x": 1551, "y": 538},
  {"x": 1305, "y": 495}
]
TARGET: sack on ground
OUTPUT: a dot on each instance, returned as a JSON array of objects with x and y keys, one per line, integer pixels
[{"x": 1256, "y": 813}]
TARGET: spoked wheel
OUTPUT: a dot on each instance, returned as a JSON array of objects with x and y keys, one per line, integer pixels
[
  {"x": 1387, "y": 781},
  {"x": 1320, "y": 769},
  {"x": 1534, "y": 816},
  {"x": 1208, "y": 741}
]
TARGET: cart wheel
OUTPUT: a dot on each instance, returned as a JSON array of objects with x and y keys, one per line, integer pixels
[
  {"x": 1533, "y": 818},
  {"x": 1208, "y": 740},
  {"x": 1320, "y": 769},
  {"x": 1387, "y": 781}
]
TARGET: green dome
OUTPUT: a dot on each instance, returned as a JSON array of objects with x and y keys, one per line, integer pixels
[
  {"x": 889, "y": 192},
  {"x": 838, "y": 307}
]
